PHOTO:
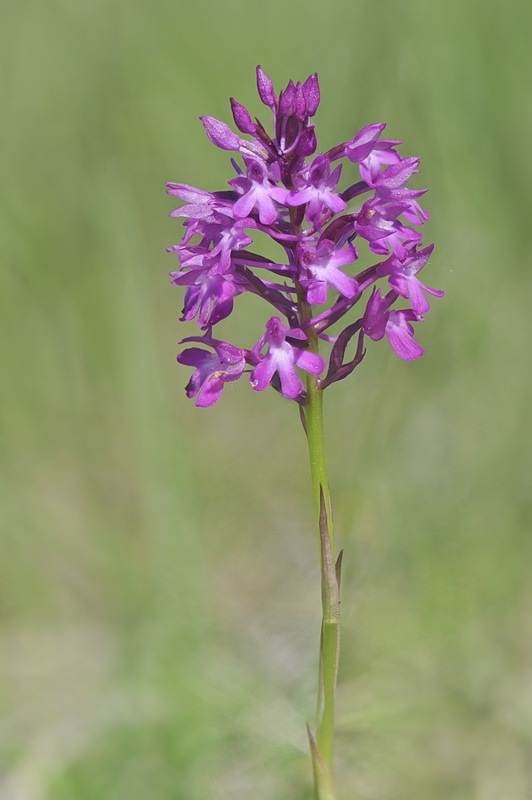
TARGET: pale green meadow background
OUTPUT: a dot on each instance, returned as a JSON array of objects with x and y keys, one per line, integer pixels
[{"x": 158, "y": 574}]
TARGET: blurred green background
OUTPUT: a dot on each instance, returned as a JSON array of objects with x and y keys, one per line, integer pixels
[{"x": 158, "y": 573}]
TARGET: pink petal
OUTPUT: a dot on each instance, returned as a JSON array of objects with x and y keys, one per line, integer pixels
[
  {"x": 291, "y": 384},
  {"x": 262, "y": 374},
  {"x": 400, "y": 333},
  {"x": 310, "y": 362}
]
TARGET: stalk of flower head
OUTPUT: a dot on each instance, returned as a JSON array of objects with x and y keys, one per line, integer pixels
[{"x": 284, "y": 189}]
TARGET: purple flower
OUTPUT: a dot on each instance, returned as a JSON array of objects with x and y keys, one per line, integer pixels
[
  {"x": 379, "y": 321},
  {"x": 361, "y": 146},
  {"x": 265, "y": 89},
  {"x": 283, "y": 192},
  {"x": 378, "y": 222},
  {"x": 381, "y": 154},
  {"x": 321, "y": 269},
  {"x": 297, "y": 103},
  {"x": 396, "y": 175},
  {"x": 199, "y": 204},
  {"x": 242, "y": 118},
  {"x": 212, "y": 370},
  {"x": 223, "y": 237},
  {"x": 223, "y": 137},
  {"x": 403, "y": 278},
  {"x": 317, "y": 189},
  {"x": 406, "y": 201},
  {"x": 258, "y": 191},
  {"x": 209, "y": 297},
  {"x": 281, "y": 358},
  {"x": 311, "y": 93}
]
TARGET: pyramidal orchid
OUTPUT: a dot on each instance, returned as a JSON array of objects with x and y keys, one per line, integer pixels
[{"x": 322, "y": 214}]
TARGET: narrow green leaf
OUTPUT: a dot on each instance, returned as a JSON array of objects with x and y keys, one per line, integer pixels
[
  {"x": 329, "y": 582},
  {"x": 323, "y": 789}
]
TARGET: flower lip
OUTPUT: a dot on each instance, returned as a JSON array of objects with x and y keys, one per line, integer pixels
[
  {"x": 212, "y": 370},
  {"x": 275, "y": 355}
]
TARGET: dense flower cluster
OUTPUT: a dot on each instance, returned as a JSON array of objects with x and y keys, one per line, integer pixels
[{"x": 285, "y": 191}]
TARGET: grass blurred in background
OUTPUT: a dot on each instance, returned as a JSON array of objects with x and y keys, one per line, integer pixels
[{"x": 158, "y": 573}]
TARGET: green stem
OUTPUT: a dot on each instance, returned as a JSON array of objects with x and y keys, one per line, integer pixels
[
  {"x": 322, "y": 747},
  {"x": 316, "y": 451},
  {"x": 330, "y": 630}
]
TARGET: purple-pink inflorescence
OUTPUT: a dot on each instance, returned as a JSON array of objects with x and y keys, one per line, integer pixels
[{"x": 284, "y": 190}]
